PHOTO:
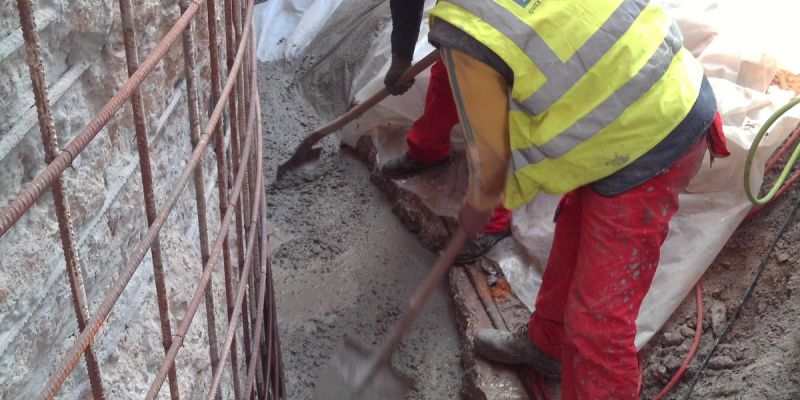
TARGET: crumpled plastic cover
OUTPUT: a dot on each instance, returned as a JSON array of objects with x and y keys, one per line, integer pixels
[
  {"x": 284, "y": 28},
  {"x": 714, "y": 205}
]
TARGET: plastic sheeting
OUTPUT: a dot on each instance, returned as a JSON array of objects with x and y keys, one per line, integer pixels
[
  {"x": 284, "y": 28},
  {"x": 739, "y": 70}
]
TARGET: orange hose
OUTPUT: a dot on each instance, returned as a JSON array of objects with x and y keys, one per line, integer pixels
[
  {"x": 773, "y": 161},
  {"x": 786, "y": 186},
  {"x": 698, "y": 332}
]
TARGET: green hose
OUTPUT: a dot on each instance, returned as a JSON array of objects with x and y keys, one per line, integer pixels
[{"x": 751, "y": 154}]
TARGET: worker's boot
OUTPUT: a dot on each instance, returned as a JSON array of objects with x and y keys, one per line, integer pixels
[
  {"x": 515, "y": 348},
  {"x": 405, "y": 166},
  {"x": 474, "y": 249}
]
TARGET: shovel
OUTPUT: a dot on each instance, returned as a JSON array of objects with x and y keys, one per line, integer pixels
[
  {"x": 306, "y": 152},
  {"x": 353, "y": 373}
]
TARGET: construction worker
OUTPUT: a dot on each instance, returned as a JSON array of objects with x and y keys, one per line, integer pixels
[
  {"x": 429, "y": 137},
  {"x": 599, "y": 101}
]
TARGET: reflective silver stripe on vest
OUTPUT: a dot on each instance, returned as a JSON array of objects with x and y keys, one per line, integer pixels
[
  {"x": 560, "y": 76},
  {"x": 516, "y": 30},
  {"x": 585, "y": 58},
  {"x": 609, "y": 110}
]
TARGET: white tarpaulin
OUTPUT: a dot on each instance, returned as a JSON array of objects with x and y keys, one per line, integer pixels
[
  {"x": 739, "y": 45},
  {"x": 285, "y": 27}
]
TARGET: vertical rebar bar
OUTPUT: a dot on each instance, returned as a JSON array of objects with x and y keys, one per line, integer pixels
[
  {"x": 259, "y": 391},
  {"x": 219, "y": 150},
  {"x": 246, "y": 333},
  {"x": 276, "y": 346},
  {"x": 259, "y": 384},
  {"x": 263, "y": 359},
  {"x": 269, "y": 376},
  {"x": 145, "y": 167},
  {"x": 248, "y": 309},
  {"x": 194, "y": 126},
  {"x": 257, "y": 301},
  {"x": 236, "y": 126},
  {"x": 242, "y": 104},
  {"x": 233, "y": 120},
  {"x": 236, "y": 20},
  {"x": 33, "y": 53}
]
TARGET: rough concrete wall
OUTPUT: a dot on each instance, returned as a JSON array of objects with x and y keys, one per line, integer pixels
[{"x": 85, "y": 63}]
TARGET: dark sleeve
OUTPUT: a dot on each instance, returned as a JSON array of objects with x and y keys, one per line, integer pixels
[{"x": 406, "y": 18}]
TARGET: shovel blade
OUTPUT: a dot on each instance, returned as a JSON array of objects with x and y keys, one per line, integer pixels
[
  {"x": 338, "y": 380},
  {"x": 305, "y": 153}
]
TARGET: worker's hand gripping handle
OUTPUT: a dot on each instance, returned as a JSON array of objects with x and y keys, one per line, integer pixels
[{"x": 360, "y": 108}]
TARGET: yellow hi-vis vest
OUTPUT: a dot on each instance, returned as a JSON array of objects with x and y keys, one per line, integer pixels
[{"x": 597, "y": 84}]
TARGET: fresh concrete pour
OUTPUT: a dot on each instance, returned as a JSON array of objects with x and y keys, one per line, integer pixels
[{"x": 343, "y": 263}]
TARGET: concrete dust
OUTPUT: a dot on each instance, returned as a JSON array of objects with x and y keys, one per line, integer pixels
[{"x": 343, "y": 264}]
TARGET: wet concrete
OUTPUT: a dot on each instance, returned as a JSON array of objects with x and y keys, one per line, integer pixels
[{"x": 343, "y": 262}]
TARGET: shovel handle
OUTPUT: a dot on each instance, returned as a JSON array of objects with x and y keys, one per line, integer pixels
[
  {"x": 419, "y": 300},
  {"x": 376, "y": 98}
]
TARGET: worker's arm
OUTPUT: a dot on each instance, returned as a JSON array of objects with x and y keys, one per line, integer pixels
[
  {"x": 406, "y": 18},
  {"x": 481, "y": 96}
]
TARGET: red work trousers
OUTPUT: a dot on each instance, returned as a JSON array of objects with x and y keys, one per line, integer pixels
[
  {"x": 429, "y": 136},
  {"x": 604, "y": 256}
]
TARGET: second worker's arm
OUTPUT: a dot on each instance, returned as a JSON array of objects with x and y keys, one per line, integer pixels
[{"x": 406, "y": 19}]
